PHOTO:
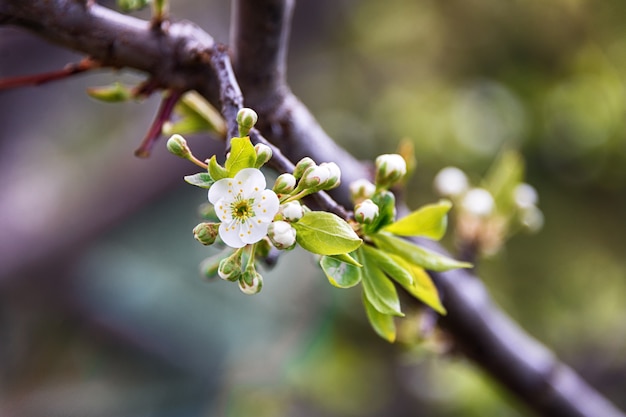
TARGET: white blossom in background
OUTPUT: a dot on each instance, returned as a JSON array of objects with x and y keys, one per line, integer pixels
[
  {"x": 478, "y": 202},
  {"x": 244, "y": 206},
  {"x": 361, "y": 189},
  {"x": 366, "y": 211},
  {"x": 450, "y": 182},
  {"x": 532, "y": 219},
  {"x": 390, "y": 168},
  {"x": 525, "y": 196}
]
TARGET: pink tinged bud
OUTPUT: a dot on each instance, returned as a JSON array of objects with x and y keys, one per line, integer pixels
[
  {"x": 390, "y": 168},
  {"x": 263, "y": 154},
  {"x": 366, "y": 212},
  {"x": 292, "y": 211},
  {"x": 282, "y": 235},
  {"x": 206, "y": 233},
  {"x": 478, "y": 202},
  {"x": 285, "y": 183},
  {"x": 450, "y": 182},
  {"x": 302, "y": 166}
]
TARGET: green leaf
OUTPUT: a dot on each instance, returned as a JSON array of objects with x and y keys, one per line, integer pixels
[
  {"x": 416, "y": 254},
  {"x": 344, "y": 257},
  {"x": 200, "y": 113},
  {"x": 503, "y": 176},
  {"x": 325, "y": 234},
  {"x": 201, "y": 179},
  {"x": 422, "y": 286},
  {"x": 379, "y": 289},
  {"x": 382, "y": 324},
  {"x": 386, "y": 203},
  {"x": 242, "y": 155},
  {"x": 216, "y": 171},
  {"x": 340, "y": 274},
  {"x": 113, "y": 93},
  {"x": 388, "y": 265},
  {"x": 429, "y": 221}
]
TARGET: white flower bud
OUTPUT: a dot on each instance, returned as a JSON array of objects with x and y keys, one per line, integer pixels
[
  {"x": 366, "y": 212},
  {"x": 285, "y": 183},
  {"x": 315, "y": 176},
  {"x": 230, "y": 268},
  {"x": 390, "y": 168},
  {"x": 525, "y": 196},
  {"x": 478, "y": 202},
  {"x": 246, "y": 119},
  {"x": 263, "y": 154},
  {"x": 206, "y": 233},
  {"x": 282, "y": 235},
  {"x": 302, "y": 165},
  {"x": 450, "y": 182},
  {"x": 255, "y": 285},
  {"x": 334, "y": 178},
  {"x": 292, "y": 211},
  {"x": 361, "y": 189},
  {"x": 178, "y": 146}
]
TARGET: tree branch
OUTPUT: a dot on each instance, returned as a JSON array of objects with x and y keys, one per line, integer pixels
[{"x": 176, "y": 59}]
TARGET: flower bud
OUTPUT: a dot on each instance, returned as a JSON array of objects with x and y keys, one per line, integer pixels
[
  {"x": 285, "y": 183},
  {"x": 366, "y": 212},
  {"x": 525, "y": 196},
  {"x": 230, "y": 268},
  {"x": 302, "y": 166},
  {"x": 263, "y": 154},
  {"x": 478, "y": 202},
  {"x": 450, "y": 182},
  {"x": 282, "y": 235},
  {"x": 390, "y": 168},
  {"x": 334, "y": 178},
  {"x": 251, "y": 281},
  {"x": 246, "y": 119},
  {"x": 532, "y": 219},
  {"x": 177, "y": 145},
  {"x": 206, "y": 233},
  {"x": 292, "y": 211},
  {"x": 361, "y": 189}
]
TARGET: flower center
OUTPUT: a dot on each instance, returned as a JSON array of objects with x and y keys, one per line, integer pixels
[{"x": 242, "y": 209}]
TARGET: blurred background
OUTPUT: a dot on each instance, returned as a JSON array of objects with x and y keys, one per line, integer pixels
[{"x": 103, "y": 311}]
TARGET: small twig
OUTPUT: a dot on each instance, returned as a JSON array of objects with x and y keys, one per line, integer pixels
[
  {"x": 163, "y": 115},
  {"x": 69, "y": 70}
]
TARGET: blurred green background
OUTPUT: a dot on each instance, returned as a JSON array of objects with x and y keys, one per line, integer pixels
[{"x": 103, "y": 311}]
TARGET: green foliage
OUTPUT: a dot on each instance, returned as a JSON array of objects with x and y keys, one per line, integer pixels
[
  {"x": 325, "y": 234},
  {"x": 216, "y": 171},
  {"x": 505, "y": 174},
  {"x": 242, "y": 155},
  {"x": 378, "y": 288},
  {"x": 201, "y": 179},
  {"x": 429, "y": 221},
  {"x": 113, "y": 93},
  {"x": 340, "y": 274},
  {"x": 386, "y": 202},
  {"x": 382, "y": 324}
]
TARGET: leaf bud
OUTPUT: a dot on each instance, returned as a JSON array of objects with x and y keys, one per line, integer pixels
[
  {"x": 282, "y": 235},
  {"x": 246, "y": 119},
  {"x": 390, "y": 168},
  {"x": 292, "y": 211},
  {"x": 230, "y": 268},
  {"x": 113, "y": 93},
  {"x": 263, "y": 154},
  {"x": 366, "y": 212},
  {"x": 361, "y": 189},
  {"x": 206, "y": 233},
  {"x": 478, "y": 202},
  {"x": 285, "y": 183},
  {"x": 450, "y": 182},
  {"x": 177, "y": 145},
  {"x": 302, "y": 165},
  {"x": 251, "y": 281}
]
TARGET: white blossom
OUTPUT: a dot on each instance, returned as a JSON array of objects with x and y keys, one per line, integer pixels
[
  {"x": 282, "y": 234},
  {"x": 450, "y": 182},
  {"x": 244, "y": 206},
  {"x": 525, "y": 196},
  {"x": 390, "y": 168},
  {"x": 479, "y": 202},
  {"x": 366, "y": 211},
  {"x": 292, "y": 211},
  {"x": 362, "y": 188}
]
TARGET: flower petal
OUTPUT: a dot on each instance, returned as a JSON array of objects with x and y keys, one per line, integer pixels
[
  {"x": 222, "y": 189},
  {"x": 249, "y": 182},
  {"x": 266, "y": 207},
  {"x": 253, "y": 230},
  {"x": 223, "y": 210},
  {"x": 230, "y": 234}
]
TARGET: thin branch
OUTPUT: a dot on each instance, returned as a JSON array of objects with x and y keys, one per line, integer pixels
[
  {"x": 163, "y": 115},
  {"x": 69, "y": 70}
]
